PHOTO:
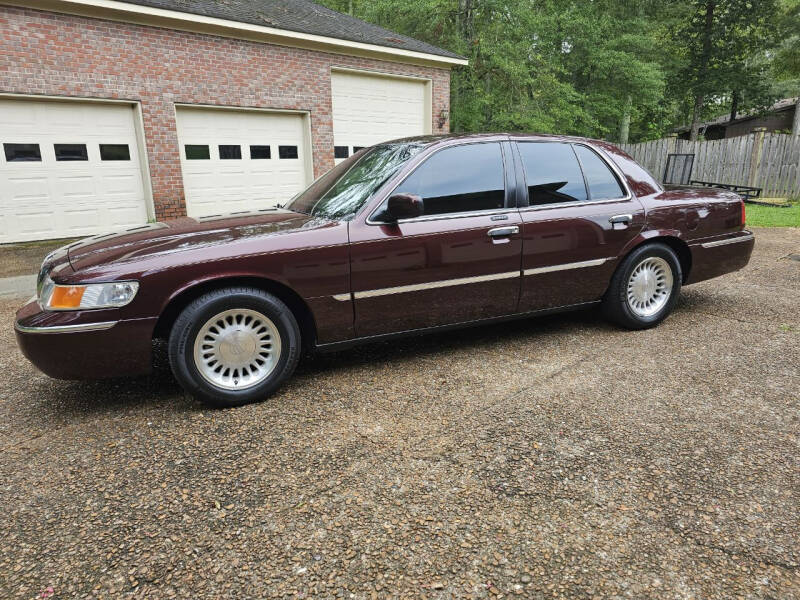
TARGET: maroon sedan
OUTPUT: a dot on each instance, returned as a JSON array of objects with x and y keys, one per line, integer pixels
[{"x": 406, "y": 237}]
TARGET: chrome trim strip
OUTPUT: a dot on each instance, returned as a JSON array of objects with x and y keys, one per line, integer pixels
[
  {"x": 536, "y": 207},
  {"x": 342, "y": 297},
  {"x": 402, "y": 289},
  {"x": 67, "y": 328},
  {"x": 442, "y": 217},
  {"x": 735, "y": 240},
  {"x": 566, "y": 266}
]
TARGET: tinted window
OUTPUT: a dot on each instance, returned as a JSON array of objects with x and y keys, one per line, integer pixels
[
  {"x": 341, "y": 152},
  {"x": 114, "y": 152},
  {"x": 552, "y": 173},
  {"x": 196, "y": 152},
  {"x": 22, "y": 152},
  {"x": 601, "y": 181},
  {"x": 460, "y": 179},
  {"x": 71, "y": 152},
  {"x": 228, "y": 152},
  {"x": 260, "y": 152},
  {"x": 287, "y": 151}
]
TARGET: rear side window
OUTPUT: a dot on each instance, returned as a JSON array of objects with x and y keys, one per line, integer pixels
[
  {"x": 603, "y": 185},
  {"x": 460, "y": 179},
  {"x": 552, "y": 173}
]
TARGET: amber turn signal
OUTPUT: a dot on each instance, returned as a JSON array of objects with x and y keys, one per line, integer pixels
[{"x": 67, "y": 296}]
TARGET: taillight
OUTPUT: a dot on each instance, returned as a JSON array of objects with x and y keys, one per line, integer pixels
[{"x": 744, "y": 214}]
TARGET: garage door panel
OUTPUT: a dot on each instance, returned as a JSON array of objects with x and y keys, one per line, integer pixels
[
  {"x": 27, "y": 188},
  {"x": 80, "y": 186},
  {"x": 50, "y": 198},
  {"x": 369, "y": 109},
  {"x": 79, "y": 221},
  {"x": 35, "y": 224},
  {"x": 121, "y": 185},
  {"x": 215, "y": 185}
]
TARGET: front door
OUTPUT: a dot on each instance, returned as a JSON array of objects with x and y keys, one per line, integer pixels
[
  {"x": 579, "y": 218},
  {"x": 458, "y": 262}
]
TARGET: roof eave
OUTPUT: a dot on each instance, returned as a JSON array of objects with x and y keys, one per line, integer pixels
[{"x": 158, "y": 17}]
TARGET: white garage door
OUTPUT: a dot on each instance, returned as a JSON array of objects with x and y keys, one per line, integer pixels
[
  {"x": 240, "y": 160},
  {"x": 68, "y": 169},
  {"x": 368, "y": 109}
]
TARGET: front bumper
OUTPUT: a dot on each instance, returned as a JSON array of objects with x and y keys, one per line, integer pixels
[
  {"x": 717, "y": 256},
  {"x": 84, "y": 344}
]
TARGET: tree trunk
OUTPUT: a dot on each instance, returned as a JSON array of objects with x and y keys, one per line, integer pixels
[
  {"x": 734, "y": 105},
  {"x": 796, "y": 122},
  {"x": 705, "y": 58},
  {"x": 625, "y": 122},
  {"x": 698, "y": 106}
]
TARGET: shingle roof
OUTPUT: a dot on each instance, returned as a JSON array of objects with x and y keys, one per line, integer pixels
[
  {"x": 780, "y": 105},
  {"x": 301, "y": 16}
]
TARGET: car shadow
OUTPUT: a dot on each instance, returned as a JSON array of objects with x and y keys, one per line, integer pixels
[
  {"x": 159, "y": 390},
  {"x": 479, "y": 337}
]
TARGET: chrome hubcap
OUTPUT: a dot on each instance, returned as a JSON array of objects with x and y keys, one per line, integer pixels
[
  {"x": 237, "y": 349},
  {"x": 649, "y": 286}
]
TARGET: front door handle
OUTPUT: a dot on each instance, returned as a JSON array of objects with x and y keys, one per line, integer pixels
[
  {"x": 621, "y": 219},
  {"x": 503, "y": 231}
]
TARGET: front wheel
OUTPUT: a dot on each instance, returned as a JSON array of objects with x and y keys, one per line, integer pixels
[
  {"x": 645, "y": 287},
  {"x": 234, "y": 346}
]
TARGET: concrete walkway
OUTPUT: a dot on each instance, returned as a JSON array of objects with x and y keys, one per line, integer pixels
[{"x": 21, "y": 286}]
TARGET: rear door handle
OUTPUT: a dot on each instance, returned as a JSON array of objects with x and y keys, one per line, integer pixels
[
  {"x": 503, "y": 231},
  {"x": 621, "y": 219}
]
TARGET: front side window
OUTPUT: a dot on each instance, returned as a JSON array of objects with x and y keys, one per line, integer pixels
[
  {"x": 343, "y": 190},
  {"x": 552, "y": 173},
  {"x": 603, "y": 185},
  {"x": 459, "y": 179}
]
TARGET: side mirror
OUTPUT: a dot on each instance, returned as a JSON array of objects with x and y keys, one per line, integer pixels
[{"x": 403, "y": 206}]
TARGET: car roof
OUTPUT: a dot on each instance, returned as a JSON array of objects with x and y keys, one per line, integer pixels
[{"x": 447, "y": 137}]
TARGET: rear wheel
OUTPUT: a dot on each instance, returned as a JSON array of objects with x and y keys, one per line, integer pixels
[
  {"x": 645, "y": 287},
  {"x": 234, "y": 346}
]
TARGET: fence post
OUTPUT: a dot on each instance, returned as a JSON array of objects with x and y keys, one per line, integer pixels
[
  {"x": 672, "y": 142},
  {"x": 755, "y": 155}
]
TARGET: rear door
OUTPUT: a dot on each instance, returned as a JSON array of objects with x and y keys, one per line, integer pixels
[
  {"x": 579, "y": 216},
  {"x": 458, "y": 262}
]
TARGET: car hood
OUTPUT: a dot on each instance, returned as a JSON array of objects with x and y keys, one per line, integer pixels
[{"x": 185, "y": 234}]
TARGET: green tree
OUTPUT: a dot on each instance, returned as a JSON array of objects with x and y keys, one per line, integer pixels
[
  {"x": 717, "y": 39},
  {"x": 620, "y": 70}
]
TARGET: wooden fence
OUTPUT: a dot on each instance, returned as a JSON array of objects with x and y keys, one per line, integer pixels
[{"x": 770, "y": 161}]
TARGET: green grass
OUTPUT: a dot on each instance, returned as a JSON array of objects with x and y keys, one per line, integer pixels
[{"x": 773, "y": 216}]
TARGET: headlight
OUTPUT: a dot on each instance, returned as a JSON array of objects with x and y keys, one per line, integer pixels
[{"x": 84, "y": 297}]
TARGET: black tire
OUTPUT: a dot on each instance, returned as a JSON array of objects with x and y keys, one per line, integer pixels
[
  {"x": 616, "y": 307},
  {"x": 192, "y": 320}
]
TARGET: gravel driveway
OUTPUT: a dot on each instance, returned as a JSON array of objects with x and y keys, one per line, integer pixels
[{"x": 544, "y": 458}]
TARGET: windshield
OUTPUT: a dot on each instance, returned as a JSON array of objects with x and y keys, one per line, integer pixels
[{"x": 345, "y": 188}]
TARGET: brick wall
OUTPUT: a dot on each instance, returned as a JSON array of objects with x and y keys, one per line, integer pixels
[{"x": 63, "y": 55}]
